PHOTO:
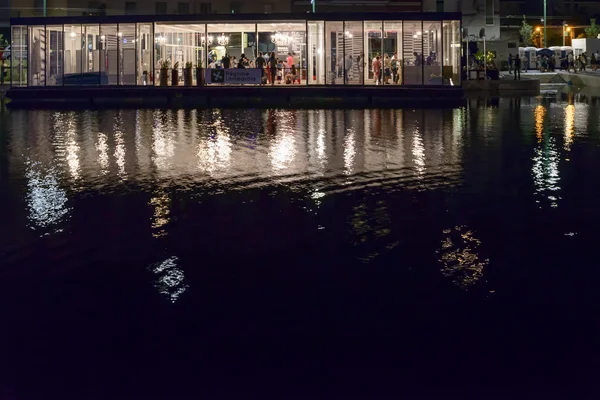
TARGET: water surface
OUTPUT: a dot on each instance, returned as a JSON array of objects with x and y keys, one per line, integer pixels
[{"x": 160, "y": 253}]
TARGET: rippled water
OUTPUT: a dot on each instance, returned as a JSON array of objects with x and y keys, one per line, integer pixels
[{"x": 158, "y": 253}]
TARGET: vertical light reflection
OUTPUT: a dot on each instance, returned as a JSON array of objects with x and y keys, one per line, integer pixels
[
  {"x": 349, "y": 151},
  {"x": 545, "y": 172},
  {"x": 569, "y": 126},
  {"x": 418, "y": 151},
  {"x": 539, "y": 114},
  {"x": 170, "y": 280},
  {"x": 120, "y": 148},
  {"x": 46, "y": 200},
  {"x": 102, "y": 149},
  {"x": 72, "y": 147},
  {"x": 321, "y": 141},
  {"x": 143, "y": 141},
  {"x": 282, "y": 150},
  {"x": 162, "y": 146},
  {"x": 459, "y": 257},
  {"x": 160, "y": 203},
  {"x": 214, "y": 153},
  {"x": 458, "y": 128}
]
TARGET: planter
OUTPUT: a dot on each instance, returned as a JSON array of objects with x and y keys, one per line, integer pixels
[
  {"x": 174, "y": 77},
  {"x": 200, "y": 77},
  {"x": 187, "y": 76},
  {"x": 164, "y": 77}
]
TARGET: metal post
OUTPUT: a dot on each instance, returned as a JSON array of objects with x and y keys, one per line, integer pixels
[
  {"x": 45, "y": 8},
  {"x": 545, "y": 42},
  {"x": 484, "y": 60}
]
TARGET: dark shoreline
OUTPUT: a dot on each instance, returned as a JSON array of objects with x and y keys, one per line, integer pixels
[{"x": 235, "y": 96}]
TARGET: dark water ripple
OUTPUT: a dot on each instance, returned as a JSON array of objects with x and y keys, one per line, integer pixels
[{"x": 308, "y": 249}]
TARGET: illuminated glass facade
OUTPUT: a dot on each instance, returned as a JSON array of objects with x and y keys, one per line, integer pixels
[{"x": 395, "y": 49}]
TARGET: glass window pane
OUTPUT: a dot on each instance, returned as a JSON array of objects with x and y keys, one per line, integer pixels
[
  {"x": 316, "y": 56},
  {"x": 178, "y": 48},
  {"x": 161, "y": 58},
  {"x": 432, "y": 50},
  {"x": 334, "y": 53},
  {"x": 37, "y": 56},
  {"x": 412, "y": 50},
  {"x": 73, "y": 55},
  {"x": 54, "y": 55},
  {"x": 353, "y": 53},
  {"x": 91, "y": 55},
  {"x": 374, "y": 52},
  {"x": 288, "y": 41},
  {"x": 143, "y": 46},
  {"x": 126, "y": 51},
  {"x": 392, "y": 44},
  {"x": 452, "y": 53},
  {"x": 18, "y": 56},
  {"x": 109, "y": 54}
]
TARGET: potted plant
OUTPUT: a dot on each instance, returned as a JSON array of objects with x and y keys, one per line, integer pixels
[
  {"x": 199, "y": 74},
  {"x": 164, "y": 72},
  {"x": 187, "y": 74},
  {"x": 175, "y": 74}
]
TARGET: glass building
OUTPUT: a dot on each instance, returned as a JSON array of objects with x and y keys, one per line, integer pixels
[{"x": 414, "y": 49}]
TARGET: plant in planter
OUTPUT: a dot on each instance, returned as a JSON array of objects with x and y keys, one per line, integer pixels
[
  {"x": 187, "y": 74},
  {"x": 175, "y": 74},
  {"x": 164, "y": 72},
  {"x": 199, "y": 74}
]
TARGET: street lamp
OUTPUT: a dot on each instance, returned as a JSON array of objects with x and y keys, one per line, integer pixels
[
  {"x": 538, "y": 29},
  {"x": 564, "y": 24},
  {"x": 545, "y": 42}
]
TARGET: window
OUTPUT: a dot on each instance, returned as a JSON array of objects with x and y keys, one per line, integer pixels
[
  {"x": 130, "y": 7},
  {"x": 39, "y": 7},
  {"x": 268, "y": 8},
  {"x": 439, "y": 5},
  {"x": 489, "y": 12},
  {"x": 160, "y": 7},
  {"x": 235, "y": 8},
  {"x": 183, "y": 8},
  {"x": 205, "y": 8}
]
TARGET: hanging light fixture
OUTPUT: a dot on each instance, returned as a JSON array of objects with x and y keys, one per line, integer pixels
[
  {"x": 281, "y": 39},
  {"x": 206, "y": 40},
  {"x": 223, "y": 40}
]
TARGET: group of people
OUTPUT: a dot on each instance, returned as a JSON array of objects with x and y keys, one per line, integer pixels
[
  {"x": 550, "y": 63},
  {"x": 231, "y": 62},
  {"x": 582, "y": 61},
  {"x": 386, "y": 69},
  {"x": 273, "y": 68}
]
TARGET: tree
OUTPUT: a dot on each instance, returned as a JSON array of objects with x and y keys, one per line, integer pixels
[
  {"x": 593, "y": 30},
  {"x": 526, "y": 32}
]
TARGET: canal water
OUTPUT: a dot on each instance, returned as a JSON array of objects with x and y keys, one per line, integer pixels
[{"x": 300, "y": 253}]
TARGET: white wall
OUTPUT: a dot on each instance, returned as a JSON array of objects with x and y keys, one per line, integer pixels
[{"x": 587, "y": 45}]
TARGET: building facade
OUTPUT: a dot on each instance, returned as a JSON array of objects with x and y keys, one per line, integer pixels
[{"x": 411, "y": 49}]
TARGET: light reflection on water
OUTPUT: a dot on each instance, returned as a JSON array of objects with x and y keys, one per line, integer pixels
[
  {"x": 170, "y": 279},
  {"x": 327, "y": 158},
  {"x": 459, "y": 256},
  {"x": 46, "y": 200}
]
